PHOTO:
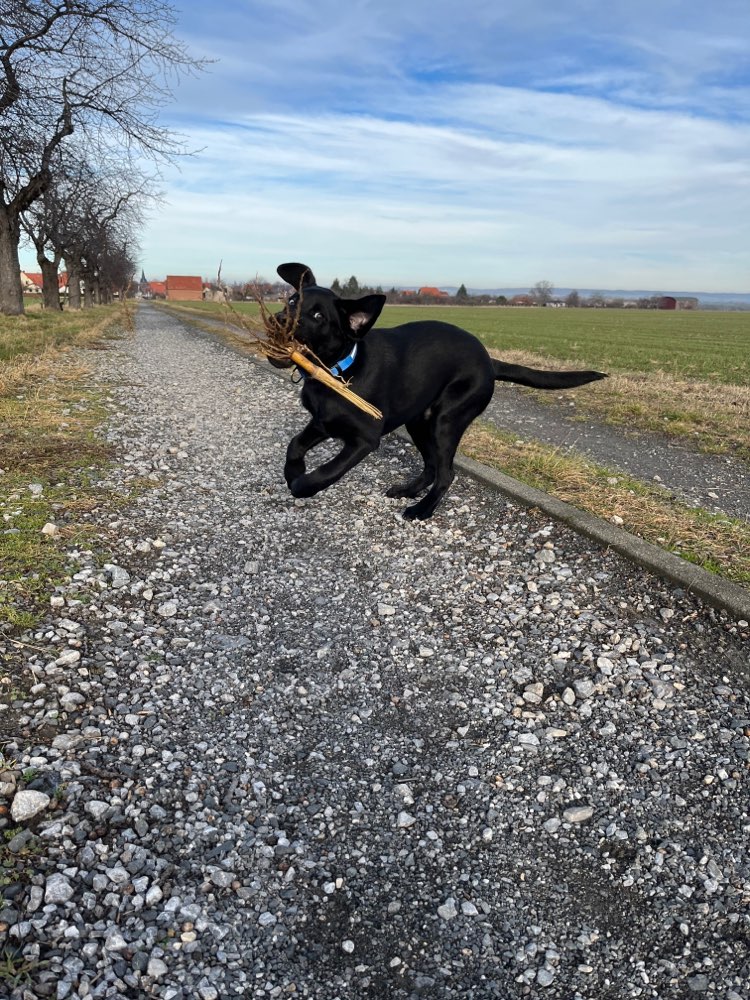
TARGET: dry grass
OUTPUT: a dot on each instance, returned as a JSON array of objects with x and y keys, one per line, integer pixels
[
  {"x": 709, "y": 416},
  {"x": 718, "y": 543},
  {"x": 48, "y": 420}
]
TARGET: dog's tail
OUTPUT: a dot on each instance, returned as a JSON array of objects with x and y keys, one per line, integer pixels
[{"x": 540, "y": 379}]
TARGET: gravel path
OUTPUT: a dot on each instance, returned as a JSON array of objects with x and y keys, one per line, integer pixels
[
  {"x": 718, "y": 483},
  {"x": 304, "y": 748}
]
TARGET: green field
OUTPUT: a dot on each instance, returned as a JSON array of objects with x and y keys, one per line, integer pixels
[
  {"x": 703, "y": 345},
  {"x": 707, "y": 345}
]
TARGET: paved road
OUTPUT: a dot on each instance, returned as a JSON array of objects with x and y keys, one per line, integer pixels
[
  {"x": 716, "y": 483},
  {"x": 309, "y": 749}
]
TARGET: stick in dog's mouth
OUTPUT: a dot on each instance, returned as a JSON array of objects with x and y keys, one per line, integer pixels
[{"x": 275, "y": 340}]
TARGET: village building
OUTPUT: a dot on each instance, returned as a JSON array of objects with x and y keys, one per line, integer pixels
[
  {"x": 184, "y": 288},
  {"x": 32, "y": 282}
]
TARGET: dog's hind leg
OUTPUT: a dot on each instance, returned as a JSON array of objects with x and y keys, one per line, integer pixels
[
  {"x": 420, "y": 431},
  {"x": 447, "y": 428}
]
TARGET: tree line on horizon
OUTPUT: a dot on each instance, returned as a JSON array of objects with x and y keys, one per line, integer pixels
[{"x": 541, "y": 294}]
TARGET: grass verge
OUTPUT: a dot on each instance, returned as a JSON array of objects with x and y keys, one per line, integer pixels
[
  {"x": 705, "y": 416},
  {"x": 50, "y": 454},
  {"x": 718, "y": 543},
  {"x": 15, "y": 970}
]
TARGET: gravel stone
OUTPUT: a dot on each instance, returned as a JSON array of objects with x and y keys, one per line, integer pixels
[
  {"x": 58, "y": 889},
  {"x": 156, "y": 968},
  {"x": 578, "y": 814},
  {"x": 405, "y": 820},
  {"x": 27, "y": 804},
  {"x": 448, "y": 910}
]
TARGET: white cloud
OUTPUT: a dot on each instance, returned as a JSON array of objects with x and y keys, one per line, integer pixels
[{"x": 494, "y": 186}]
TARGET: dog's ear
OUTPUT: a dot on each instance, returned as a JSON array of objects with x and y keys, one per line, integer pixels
[
  {"x": 359, "y": 315},
  {"x": 299, "y": 276}
]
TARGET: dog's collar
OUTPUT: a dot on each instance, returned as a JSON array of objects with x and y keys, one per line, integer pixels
[
  {"x": 341, "y": 366},
  {"x": 338, "y": 369}
]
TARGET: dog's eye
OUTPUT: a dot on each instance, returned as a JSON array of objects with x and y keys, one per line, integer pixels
[{"x": 318, "y": 315}]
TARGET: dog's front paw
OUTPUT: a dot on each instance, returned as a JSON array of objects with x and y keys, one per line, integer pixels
[
  {"x": 292, "y": 471},
  {"x": 301, "y": 487}
]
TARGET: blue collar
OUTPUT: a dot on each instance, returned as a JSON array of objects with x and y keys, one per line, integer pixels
[
  {"x": 345, "y": 363},
  {"x": 338, "y": 368}
]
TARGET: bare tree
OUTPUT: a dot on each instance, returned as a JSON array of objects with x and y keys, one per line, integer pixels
[
  {"x": 53, "y": 221},
  {"x": 542, "y": 292},
  {"x": 40, "y": 223},
  {"x": 100, "y": 68},
  {"x": 86, "y": 216},
  {"x": 106, "y": 232}
]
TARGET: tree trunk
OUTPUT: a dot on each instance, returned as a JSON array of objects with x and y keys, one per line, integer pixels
[
  {"x": 74, "y": 284},
  {"x": 11, "y": 290},
  {"x": 88, "y": 293},
  {"x": 50, "y": 282}
]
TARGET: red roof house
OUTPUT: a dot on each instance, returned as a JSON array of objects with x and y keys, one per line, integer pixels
[
  {"x": 32, "y": 282},
  {"x": 183, "y": 288}
]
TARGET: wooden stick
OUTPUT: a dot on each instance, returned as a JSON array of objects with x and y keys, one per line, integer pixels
[{"x": 333, "y": 383}]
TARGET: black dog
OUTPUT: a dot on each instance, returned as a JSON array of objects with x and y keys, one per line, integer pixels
[{"x": 431, "y": 377}]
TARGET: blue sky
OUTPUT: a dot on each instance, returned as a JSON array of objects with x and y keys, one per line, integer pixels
[{"x": 497, "y": 143}]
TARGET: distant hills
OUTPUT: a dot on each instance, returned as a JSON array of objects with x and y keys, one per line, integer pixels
[{"x": 715, "y": 300}]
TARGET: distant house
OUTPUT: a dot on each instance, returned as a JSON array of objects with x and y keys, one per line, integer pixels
[
  {"x": 32, "y": 282},
  {"x": 522, "y": 300},
  {"x": 183, "y": 288},
  {"x": 667, "y": 302},
  {"x": 158, "y": 289},
  {"x": 433, "y": 293}
]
